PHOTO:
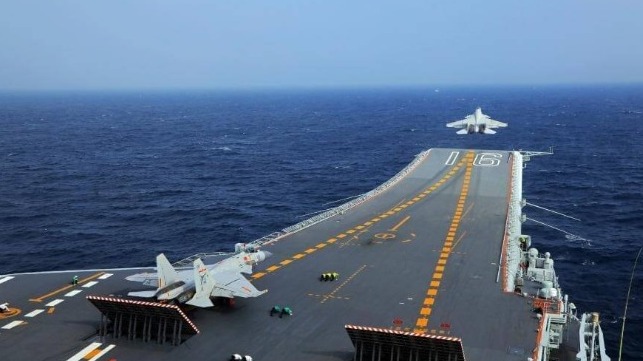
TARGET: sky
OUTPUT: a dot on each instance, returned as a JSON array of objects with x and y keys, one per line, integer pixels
[{"x": 222, "y": 44}]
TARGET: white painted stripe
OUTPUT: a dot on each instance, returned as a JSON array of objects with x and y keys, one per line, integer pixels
[
  {"x": 13, "y": 324},
  {"x": 54, "y": 303},
  {"x": 150, "y": 269},
  {"x": 98, "y": 355},
  {"x": 73, "y": 293},
  {"x": 80, "y": 355},
  {"x": 34, "y": 313},
  {"x": 105, "y": 276},
  {"x": 89, "y": 284},
  {"x": 5, "y": 279}
]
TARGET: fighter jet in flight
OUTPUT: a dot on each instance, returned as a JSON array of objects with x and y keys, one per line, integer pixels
[
  {"x": 198, "y": 285},
  {"x": 477, "y": 123}
]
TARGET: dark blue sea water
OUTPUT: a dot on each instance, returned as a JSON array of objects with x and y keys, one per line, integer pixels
[{"x": 112, "y": 179}]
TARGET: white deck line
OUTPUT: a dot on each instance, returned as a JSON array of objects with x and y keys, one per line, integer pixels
[
  {"x": 73, "y": 293},
  {"x": 34, "y": 313},
  {"x": 5, "y": 279},
  {"x": 13, "y": 324},
  {"x": 105, "y": 276},
  {"x": 89, "y": 284},
  {"x": 102, "y": 352},
  {"x": 80, "y": 355},
  {"x": 54, "y": 302}
]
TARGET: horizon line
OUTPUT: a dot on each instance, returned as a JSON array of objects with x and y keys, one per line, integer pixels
[{"x": 435, "y": 87}]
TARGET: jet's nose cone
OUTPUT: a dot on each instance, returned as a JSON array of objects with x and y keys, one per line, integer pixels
[{"x": 267, "y": 254}]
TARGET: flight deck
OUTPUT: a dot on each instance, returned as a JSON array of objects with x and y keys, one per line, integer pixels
[{"x": 421, "y": 261}]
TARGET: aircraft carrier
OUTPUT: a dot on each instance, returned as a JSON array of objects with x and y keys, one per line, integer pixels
[{"x": 432, "y": 265}]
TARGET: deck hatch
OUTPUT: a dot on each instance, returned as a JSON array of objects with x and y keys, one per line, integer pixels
[
  {"x": 132, "y": 319},
  {"x": 385, "y": 344}
]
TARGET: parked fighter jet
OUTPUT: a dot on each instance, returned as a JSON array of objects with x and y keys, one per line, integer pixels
[
  {"x": 197, "y": 285},
  {"x": 476, "y": 123}
]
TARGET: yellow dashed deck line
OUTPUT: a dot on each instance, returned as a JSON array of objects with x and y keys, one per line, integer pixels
[
  {"x": 380, "y": 217},
  {"x": 423, "y": 319}
]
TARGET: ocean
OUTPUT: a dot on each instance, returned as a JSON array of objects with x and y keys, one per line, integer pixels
[{"x": 110, "y": 179}]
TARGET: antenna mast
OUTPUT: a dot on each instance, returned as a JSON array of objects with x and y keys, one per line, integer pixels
[{"x": 627, "y": 300}]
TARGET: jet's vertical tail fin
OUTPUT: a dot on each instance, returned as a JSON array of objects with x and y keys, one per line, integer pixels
[
  {"x": 204, "y": 284},
  {"x": 166, "y": 273}
]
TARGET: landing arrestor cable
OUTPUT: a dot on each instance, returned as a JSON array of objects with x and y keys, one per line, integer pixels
[
  {"x": 558, "y": 229},
  {"x": 552, "y": 211},
  {"x": 627, "y": 300}
]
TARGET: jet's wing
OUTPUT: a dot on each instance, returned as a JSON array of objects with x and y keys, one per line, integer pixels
[
  {"x": 146, "y": 278},
  {"x": 233, "y": 284},
  {"x": 494, "y": 123},
  {"x": 461, "y": 123}
]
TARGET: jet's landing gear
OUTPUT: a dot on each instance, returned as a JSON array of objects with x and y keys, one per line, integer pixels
[
  {"x": 237, "y": 357},
  {"x": 224, "y": 302}
]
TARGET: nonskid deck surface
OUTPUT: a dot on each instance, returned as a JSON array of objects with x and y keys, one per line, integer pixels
[{"x": 423, "y": 257}]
